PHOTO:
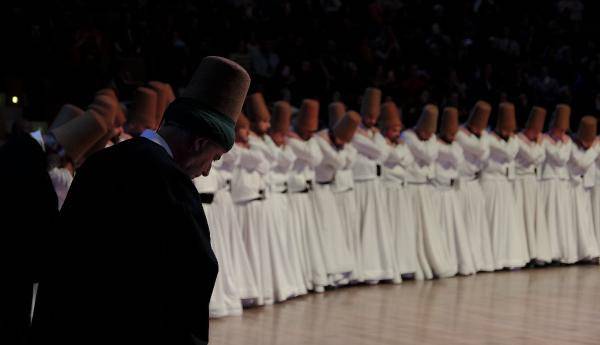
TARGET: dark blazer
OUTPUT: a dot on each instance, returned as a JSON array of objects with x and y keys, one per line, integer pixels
[{"x": 132, "y": 262}]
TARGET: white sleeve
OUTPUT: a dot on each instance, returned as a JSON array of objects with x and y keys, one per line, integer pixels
[
  {"x": 383, "y": 147},
  {"x": 331, "y": 157},
  {"x": 555, "y": 154},
  {"x": 306, "y": 150},
  {"x": 500, "y": 150},
  {"x": 257, "y": 143},
  {"x": 367, "y": 147},
  {"x": 471, "y": 145},
  {"x": 285, "y": 158},
  {"x": 582, "y": 160},
  {"x": 253, "y": 160},
  {"x": 423, "y": 151},
  {"x": 351, "y": 154}
]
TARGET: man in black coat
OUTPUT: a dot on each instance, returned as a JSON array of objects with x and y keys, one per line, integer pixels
[{"x": 134, "y": 261}]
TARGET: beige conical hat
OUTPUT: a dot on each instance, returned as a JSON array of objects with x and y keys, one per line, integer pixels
[
  {"x": 256, "y": 108},
  {"x": 107, "y": 107},
  {"x": 346, "y": 126},
  {"x": 220, "y": 84},
  {"x": 308, "y": 116},
  {"x": 162, "y": 99},
  {"x": 507, "y": 120},
  {"x": 282, "y": 117},
  {"x": 337, "y": 110},
  {"x": 588, "y": 130},
  {"x": 449, "y": 122},
  {"x": 390, "y": 115},
  {"x": 242, "y": 122},
  {"x": 144, "y": 110},
  {"x": 536, "y": 119},
  {"x": 428, "y": 120},
  {"x": 371, "y": 103},
  {"x": 120, "y": 117},
  {"x": 67, "y": 113},
  {"x": 81, "y": 133},
  {"x": 480, "y": 115},
  {"x": 561, "y": 118}
]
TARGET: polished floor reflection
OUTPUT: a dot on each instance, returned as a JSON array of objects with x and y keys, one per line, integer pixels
[{"x": 547, "y": 306}]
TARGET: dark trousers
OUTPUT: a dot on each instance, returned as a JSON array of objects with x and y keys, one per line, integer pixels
[{"x": 15, "y": 311}]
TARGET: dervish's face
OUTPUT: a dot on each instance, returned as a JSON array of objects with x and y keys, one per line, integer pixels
[
  {"x": 262, "y": 127},
  {"x": 369, "y": 120},
  {"x": 201, "y": 157},
  {"x": 393, "y": 133}
]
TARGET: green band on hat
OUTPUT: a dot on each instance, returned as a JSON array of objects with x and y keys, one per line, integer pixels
[{"x": 202, "y": 120}]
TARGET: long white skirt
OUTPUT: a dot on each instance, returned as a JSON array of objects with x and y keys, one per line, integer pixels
[
  {"x": 346, "y": 202},
  {"x": 376, "y": 240},
  {"x": 454, "y": 231},
  {"x": 305, "y": 241},
  {"x": 404, "y": 229},
  {"x": 530, "y": 205},
  {"x": 225, "y": 299},
  {"x": 472, "y": 204},
  {"x": 509, "y": 240},
  {"x": 432, "y": 252},
  {"x": 559, "y": 219},
  {"x": 596, "y": 210},
  {"x": 287, "y": 271},
  {"x": 332, "y": 234},
  {"x": 243, "y": 275},
  {"x": 265, "y": 250},
  {"x": 583, "y": 222}
]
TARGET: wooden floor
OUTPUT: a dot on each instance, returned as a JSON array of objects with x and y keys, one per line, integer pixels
[{"x": 559, "y": 305}]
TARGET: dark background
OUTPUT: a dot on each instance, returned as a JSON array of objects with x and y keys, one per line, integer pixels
[{"x": 447, "y": 52}]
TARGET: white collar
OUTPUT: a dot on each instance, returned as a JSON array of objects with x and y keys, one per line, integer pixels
[{"x": 156, "y": 138}]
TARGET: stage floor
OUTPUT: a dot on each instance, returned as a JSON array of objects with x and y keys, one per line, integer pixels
[{"x": 559, "y": 305}]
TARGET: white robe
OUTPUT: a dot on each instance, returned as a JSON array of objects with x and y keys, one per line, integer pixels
[
  {"x": 376, "y": 241},
  {"x": 556, "y": 195},
  {"x": 434, "y": 257},
  {"x": 304, "y": 225},
  {"x": 530, "y": 202},
  {"x": 401, "y": 213},
  {"x": 596, "y": 199},
  {"x": 242, "y": 270},
  {"x": 343, "y": 191},
  {"x": 225, "y": 299},
  {"x": 475, "y": 152},
  {"x": 329, "y": 221},
  {"x": 450, "y": 212},
  {"x": 277, "y": 219},
  {"x": 509, "y": 241},
  {"x": 581, "y": 168}
]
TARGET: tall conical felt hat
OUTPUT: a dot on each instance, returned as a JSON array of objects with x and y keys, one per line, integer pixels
[
  {"x": 390, "y": 115},
  {"x": 346, "y": 126},
  {"x": 337, "y": 110},
  {"x": 242, "y": 122},
  {"x": 219, "y": 84},
  {"x": 308, "y": 116},
  {"x": 144, "y": 109},
  {"x": 256, "y": 108},
  {"x": 536, "y": 119},
  {"x": 162, "y": 95},
  {"x": 371, "y": 103},
  {"x": 67, "y": 113},
  {"x": 561, "y": 117},
  {"x": 81, "y": 133},
  {"x": 107, "y": 107},
  {"x": 120, "y": 118},
  {"x": 282, "y": 117},
  {"x": 449, "y": 122},
  {"x": 480, "y": 115},
  {"x": 428, "y": 120},
  {"x": 587, "y": 130},
  {"x": 507, "y": 120}
]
